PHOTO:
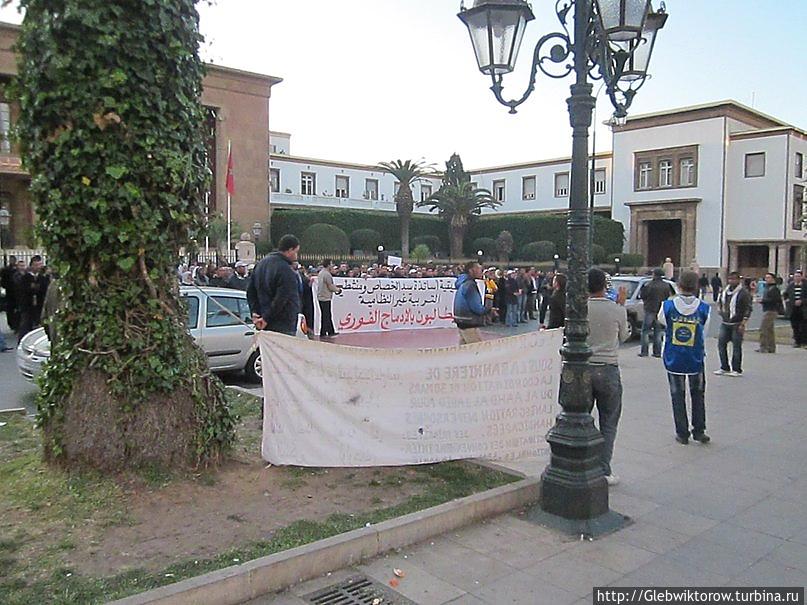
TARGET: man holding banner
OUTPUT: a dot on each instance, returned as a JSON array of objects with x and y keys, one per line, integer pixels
[{"x": 469, "y": 312}]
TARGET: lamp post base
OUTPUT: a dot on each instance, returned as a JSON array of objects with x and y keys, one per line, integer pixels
[{"x": 588, "y": 529}]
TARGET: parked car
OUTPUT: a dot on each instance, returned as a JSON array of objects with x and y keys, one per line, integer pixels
[
  {"x": 633, "y": 304},
  {"x": 227, "y": 343}
]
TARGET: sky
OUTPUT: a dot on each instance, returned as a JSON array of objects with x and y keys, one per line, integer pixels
[{"x": 375, "y": 80}]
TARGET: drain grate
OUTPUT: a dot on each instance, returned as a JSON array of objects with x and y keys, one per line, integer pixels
[{"x": 357, "y": 590}]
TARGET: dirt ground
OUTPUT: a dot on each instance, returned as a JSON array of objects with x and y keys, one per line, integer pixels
[{"x": 246, "y": 503}]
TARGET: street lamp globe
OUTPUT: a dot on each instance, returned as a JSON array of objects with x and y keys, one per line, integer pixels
[
  {"x": 496, "y": 28},
  {"x": 381, "y": 248},
  {"x": 622, "y": 20},
  {"x": 5, "y": 217},
  {"x": 479, "y": 253},
  {"x": 639, "y": 60}
]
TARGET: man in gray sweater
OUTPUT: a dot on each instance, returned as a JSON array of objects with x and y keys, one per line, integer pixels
[
  {"x": 608, "y": 327},
  {"x": 325, "y": 291}
]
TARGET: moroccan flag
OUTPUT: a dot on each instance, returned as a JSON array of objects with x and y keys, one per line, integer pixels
[{"x": 230, "y": 183}]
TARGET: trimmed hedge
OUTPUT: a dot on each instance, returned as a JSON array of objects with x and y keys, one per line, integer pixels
[
  {"x": 486, "y": 245},
  {"x": 366, "y": 240},
  {"x": 432, "y": 242},
  {"x": 598, "y": 255},
  {"x": 540, "y": 251},
  {"x": 527, "y": 228},
  {"x": 627, "y": 259},
  {"x": 296, "y": 220},
  {"x": 322, "y": 238},
  {"x": 420, "y": 253}
]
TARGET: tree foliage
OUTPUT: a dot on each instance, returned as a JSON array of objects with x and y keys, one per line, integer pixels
[
  {"x": 504, "y": 245},
  {"x": 538, "y": 251},
  {"x": 321, "y": 238},
  {"x": 111, "y": 130},
  {"x": 366, "y": 240}
]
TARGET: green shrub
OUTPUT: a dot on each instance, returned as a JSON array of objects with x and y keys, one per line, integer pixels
[
  {"x": 420, "y": 253},
  {"x": 322, "y": 238},
  {"x": 432, "y": 242},
  {"x": 486, "y": 244},
  {"x": 366, "y": 240},
  {"x": 296, "y": 220},
  {"x": 539, "y": 251},
  {"x": 597, "y": 254},
  {"x": 626, "y": 259}
]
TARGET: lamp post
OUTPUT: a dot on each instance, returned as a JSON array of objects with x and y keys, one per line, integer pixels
[
  {"x": 479, "y": 255},
  {"x": 257, "y": 229},
  {"x": 5, "y": 221},
  {"x": 380, "y": 255},
  {"x": 616, "y": 265},
  {"x": 611, "y": 40},
  {"x": 556, "y": 259}
]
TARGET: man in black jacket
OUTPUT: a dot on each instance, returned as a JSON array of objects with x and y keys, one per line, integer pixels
[
  {"x": 653, "y": 294},
  {"x": 735, "y": 305},
  {"x": 30, "y": 294},
  {"x": 273, "y": 292},
  {"x": 771, "y": 307},
  {"x": 717, "y": 286},
  {"x": 796, "y": 296}
]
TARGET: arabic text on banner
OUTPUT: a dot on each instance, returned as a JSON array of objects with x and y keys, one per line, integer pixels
[
  {"x": 381, "y": 304},
  {"x": 329, "y": 405}
]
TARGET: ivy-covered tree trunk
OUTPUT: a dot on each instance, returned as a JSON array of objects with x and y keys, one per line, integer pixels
[{"x": 111, "y": 129}]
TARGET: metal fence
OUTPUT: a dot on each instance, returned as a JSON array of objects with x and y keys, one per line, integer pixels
[{"x": 22, "y": 254}]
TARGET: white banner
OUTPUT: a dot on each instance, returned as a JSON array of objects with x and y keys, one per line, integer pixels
[
  {"x": 329, "y": 405},
  {"x": 380, "y": 305}
]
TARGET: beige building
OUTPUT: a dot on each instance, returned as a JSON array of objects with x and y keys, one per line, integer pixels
[{"x": 238, "y": 112}]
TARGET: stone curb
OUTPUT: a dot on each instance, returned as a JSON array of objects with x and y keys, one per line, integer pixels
[
  {"x": 273, "y": 573},
  {"x": 9, "y": 411}
]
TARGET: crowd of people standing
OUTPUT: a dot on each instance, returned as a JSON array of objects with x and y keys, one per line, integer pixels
[{"x": 26, "y": 288}]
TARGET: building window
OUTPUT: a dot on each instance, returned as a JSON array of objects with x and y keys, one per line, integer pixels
[
  {"x": 645, "y": 175},
  {"x": 665, "y": 168},
  {"x": 687, "y": 177},
  {"x": 308, "y": 183},
  {"x": 562, "y": 184},
  {"x": 5, "y": 128},
  {"x": 371, "y": 189},
  {"x": 425, "y": 191},
  {"x": 599, "y": 182},
  {"x": 754, "y": 165},
  {"x": 274, "y": 179},
  {"x": 498, "y": 191},
  {"x": 528, "y": 188},
  {"x": 342, "y": 186},
  {"x": 799, "y": 207},
  {"x": 799, "y": 165}
]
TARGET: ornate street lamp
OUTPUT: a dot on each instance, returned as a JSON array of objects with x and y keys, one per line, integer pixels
[
  {"x": 479, "y": 255},
  {"x": 257, "y": 229},
  {"x": 556, "y": 258},
  {"x": 380, "y": 255},
  {"x": 612, "y": 41},
  {"x": 5, "y": 221},
  {"x": 616, "y": 266}
]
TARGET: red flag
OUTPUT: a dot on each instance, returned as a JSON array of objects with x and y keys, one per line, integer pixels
[{"x": 230, "y": 183}]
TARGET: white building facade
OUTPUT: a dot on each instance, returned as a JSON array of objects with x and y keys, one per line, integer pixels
[{"x": 720, "y": 186}]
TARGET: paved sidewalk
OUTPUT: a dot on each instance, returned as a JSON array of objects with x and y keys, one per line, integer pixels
[{"x": 729, "y": 513}]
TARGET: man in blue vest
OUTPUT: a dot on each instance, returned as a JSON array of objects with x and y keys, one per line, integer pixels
[
  {"x": 469, "y": 311},
  {"x": 685, "y": 319}
]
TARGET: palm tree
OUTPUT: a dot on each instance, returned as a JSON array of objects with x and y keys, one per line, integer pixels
[
  {"x": 407, "y": 172},
  {"x": 458, "y": 204}
]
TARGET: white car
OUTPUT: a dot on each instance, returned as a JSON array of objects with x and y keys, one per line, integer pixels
[
  {"x": 227, "y": 343},
  {"x": 632, "y": 284}
]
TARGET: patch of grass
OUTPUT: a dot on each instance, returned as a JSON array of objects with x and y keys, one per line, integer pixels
[{"x": 449, "y": 480}]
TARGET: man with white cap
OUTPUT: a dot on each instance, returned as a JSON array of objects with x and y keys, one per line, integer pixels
[{"x": 239, "y": 280}]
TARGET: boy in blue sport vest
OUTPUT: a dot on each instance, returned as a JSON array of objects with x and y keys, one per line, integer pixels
[{"x": 685, "y": 319}]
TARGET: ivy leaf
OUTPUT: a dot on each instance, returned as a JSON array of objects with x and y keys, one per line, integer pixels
[
  {"x": 126, "y": 263},
  {"x": 116, "y": 172},
  {"x": 92, "y": 237}
]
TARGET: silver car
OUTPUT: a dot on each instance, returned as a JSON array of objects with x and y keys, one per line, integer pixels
[
  {"x": 633, "y": 304},
  {"x": 227, "y": 343}
]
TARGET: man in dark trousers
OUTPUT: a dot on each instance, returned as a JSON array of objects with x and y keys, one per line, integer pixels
[
  {"x": 273, "y": 293},
  {"x": 735, "y": 306},
  {"x": 717, "y": 286},
  {"x": 325, "y": 291},
  {"x": 771, "y": 307},
  {"x": 796, "y": 297},
  {"x": 653, "y": 294},
  {"x": 31, "y": 290}
]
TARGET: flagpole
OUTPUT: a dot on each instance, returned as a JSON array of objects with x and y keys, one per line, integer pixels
[
  {"x": 207, "y": 223},
  {"x": 229, "y": 235}
]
